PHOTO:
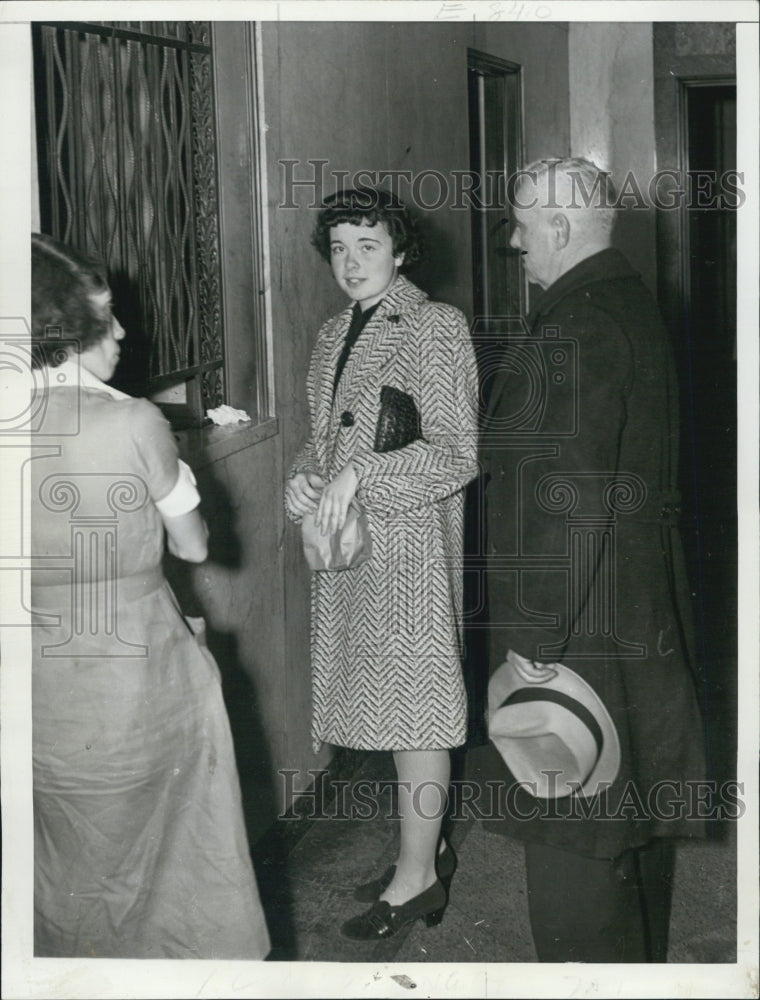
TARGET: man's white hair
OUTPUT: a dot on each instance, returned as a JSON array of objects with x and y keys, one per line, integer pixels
[{"x": 576, "y": 183}]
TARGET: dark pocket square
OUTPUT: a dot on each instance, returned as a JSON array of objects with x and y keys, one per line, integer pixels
[{"x": 399, "y": 421}]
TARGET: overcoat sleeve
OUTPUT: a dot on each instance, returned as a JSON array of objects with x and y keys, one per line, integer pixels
[
  {"x": 307, "y": 458},
  {"x": 444, "y": 459},
  {"x": 305, "y": 461}
]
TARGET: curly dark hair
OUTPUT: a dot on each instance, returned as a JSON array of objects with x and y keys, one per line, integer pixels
[
  {"x": 63, "y": 279},
  {"x": 368, "y": 206}
]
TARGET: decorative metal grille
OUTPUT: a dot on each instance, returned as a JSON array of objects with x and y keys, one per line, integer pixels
[{"x": 127, "y": 147}]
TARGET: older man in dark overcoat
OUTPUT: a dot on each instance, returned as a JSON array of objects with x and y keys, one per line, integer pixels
[{"x": 588, "y": 600}]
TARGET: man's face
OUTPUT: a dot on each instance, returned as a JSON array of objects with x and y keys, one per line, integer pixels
[{"x": 533, "y": 233}]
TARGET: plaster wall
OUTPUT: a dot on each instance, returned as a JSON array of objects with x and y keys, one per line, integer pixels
[{"x": 611, "y": 82}]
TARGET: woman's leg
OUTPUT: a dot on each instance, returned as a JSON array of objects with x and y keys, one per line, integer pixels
[{"x": 423, "y": 777}]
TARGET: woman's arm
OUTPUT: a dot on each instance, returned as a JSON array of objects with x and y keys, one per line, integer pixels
[
  {"x": 304, "y": 484},
  {"x": 305, "y": 480},
  {"x": 187, "y": 536},
  {"x": 170, "y": 481},
  {"x": 445, "y": 459}
]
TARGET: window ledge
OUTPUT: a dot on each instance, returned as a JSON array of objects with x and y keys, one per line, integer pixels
[{"x": 203, "y": 445}]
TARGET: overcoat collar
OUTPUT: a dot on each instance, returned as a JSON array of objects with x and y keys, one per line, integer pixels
[
  {"x": 602, "y": 266},
  {"x": 378, "y": 343}
]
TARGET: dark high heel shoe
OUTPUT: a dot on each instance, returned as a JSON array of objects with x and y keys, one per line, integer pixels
[
  {"x": 382, "y": 920},
  {"x": 445, "y": 865}
]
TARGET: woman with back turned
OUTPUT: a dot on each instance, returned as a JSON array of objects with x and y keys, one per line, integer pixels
[{"x": 140, "y": 849}]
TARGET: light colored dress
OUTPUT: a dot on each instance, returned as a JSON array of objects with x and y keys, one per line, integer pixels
[{"x": 140, "y": 845}]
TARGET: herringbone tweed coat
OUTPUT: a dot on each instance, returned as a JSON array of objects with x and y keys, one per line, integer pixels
[{"x": 386, "y": 635}]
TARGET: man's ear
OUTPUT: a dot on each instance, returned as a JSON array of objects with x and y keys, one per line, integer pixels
[{"x": 560, "y": 231}]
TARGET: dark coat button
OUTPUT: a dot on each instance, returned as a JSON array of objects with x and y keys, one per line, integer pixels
[{"x": 347, "y": 418}]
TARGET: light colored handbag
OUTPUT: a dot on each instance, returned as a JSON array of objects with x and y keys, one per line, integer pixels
[{"x": 344, "y": 549}]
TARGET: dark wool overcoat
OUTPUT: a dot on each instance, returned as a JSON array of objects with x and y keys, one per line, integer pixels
[
  {"x": 386, "y": 635},
  {"x": 585, "y": 567}
]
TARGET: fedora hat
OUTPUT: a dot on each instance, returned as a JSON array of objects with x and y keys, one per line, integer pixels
[{"x": 551, "y": 729}]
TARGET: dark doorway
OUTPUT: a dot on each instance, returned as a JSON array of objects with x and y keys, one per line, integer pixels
[
  {"x": 495, "y": 124},
  {"x": 499, "y": 304},
  {"x": 707, "y": 360}
]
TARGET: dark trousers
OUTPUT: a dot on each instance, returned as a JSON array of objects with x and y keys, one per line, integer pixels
[{"x": 600, "y": 910}]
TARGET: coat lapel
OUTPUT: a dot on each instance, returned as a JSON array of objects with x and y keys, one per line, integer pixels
[{"x": 378, "y": 343}]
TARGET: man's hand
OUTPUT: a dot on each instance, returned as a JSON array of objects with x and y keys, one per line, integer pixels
[
  {"x": 302, "y": 492},
  {"x": 530, "y": 671},
  {"x": 336, "y": 497}
]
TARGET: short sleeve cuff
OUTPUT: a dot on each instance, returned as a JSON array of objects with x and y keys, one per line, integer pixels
[{"x": 184, "y": 497}]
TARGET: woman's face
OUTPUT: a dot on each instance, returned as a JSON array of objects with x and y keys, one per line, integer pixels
[
  {"x": 362, "y": 261},
  {"x": 101, "y": 359}
]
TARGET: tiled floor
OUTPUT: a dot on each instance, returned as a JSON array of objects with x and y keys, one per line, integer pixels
[{"x": 307, "y": 892}]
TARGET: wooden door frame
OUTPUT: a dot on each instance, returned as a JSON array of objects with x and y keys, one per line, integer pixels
[{"x": 489, "y": 65}]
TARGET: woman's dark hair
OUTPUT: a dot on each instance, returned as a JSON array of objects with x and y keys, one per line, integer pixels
[
  {"x": 367, "y": 206},
  {"x": 63, "y": 279}
]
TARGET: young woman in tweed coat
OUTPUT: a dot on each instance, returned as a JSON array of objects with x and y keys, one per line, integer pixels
[{"x": 386, "y": 635}]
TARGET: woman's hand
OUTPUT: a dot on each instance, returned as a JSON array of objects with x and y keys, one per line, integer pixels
[
  {"x": 303, "y": 491},
  {"x": 336, "y": 497}
]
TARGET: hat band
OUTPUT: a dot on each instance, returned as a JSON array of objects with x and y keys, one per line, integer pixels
[{"x": 525, "y": 695}]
